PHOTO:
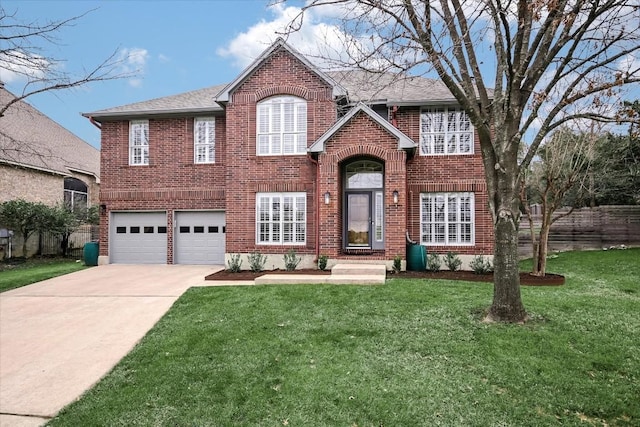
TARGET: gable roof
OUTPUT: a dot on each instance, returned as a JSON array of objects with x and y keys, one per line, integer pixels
[
  {"x": 223, "y": 96},
  {"x": 404, "y": 142},
  {"x": 30, "y": 139},
  {"x": 195, "y": 101}
]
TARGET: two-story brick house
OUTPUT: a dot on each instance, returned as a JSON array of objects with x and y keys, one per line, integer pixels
[{"x": 287, "y": 156}]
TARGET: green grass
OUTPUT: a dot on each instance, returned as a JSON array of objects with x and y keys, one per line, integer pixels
[
  {"x": 34, "y": 270},
  {"x": 410, "y": 353}
]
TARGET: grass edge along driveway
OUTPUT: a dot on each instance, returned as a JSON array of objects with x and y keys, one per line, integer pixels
[
  {"x": 409, "y": 353},
  {"x": 35, "y": 270}
]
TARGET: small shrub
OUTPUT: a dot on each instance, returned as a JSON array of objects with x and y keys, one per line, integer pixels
[
  {"x": 397, "y": 264},
  {"x": 434, "y": 263},
  {"x": 235, "y": 263},
  {"x": 452, "y": 261},
  {"x": 257, "y": 261},
  {"x": 322, "y": 262},
  {"x": 291, "y": 261},
  {"x": 480, "y": 265}
]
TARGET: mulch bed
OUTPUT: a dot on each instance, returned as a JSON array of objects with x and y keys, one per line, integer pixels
[{"x": 526, "y": 279}]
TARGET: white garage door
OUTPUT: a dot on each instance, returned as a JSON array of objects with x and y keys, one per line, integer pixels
[
  {"x": 199, "y": 237},
  {"x": 138, "y": 238}
]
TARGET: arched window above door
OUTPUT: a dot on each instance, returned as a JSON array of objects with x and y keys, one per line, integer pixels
[{"x": 364, "y": 174}]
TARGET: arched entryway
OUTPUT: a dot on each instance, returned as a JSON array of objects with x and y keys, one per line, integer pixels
[{"x": 363, "y": 201}]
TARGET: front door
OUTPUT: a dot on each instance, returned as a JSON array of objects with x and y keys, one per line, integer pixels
[
  {"x": 364, "y": 205},
  {"x": 359, "y": 220}
]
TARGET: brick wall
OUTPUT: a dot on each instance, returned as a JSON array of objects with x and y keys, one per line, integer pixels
[
  {"x": 170, "y": 182},
  {"x": 248, "y": 174},
  {"x": 448, "y": 173},
  {"x": 361, "y": 138},
  {"x": 31, "y": 185}
]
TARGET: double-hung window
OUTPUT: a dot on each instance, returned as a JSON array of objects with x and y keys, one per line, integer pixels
[
  {"x": 281, "y": 218},
  {"x": 447, "y": 219},
  {"x": 282, "y": 126},
  {"x": 204, "y": 140},
  {"x": 139, "y": 142},
  {"x": 445, "y": 131}
]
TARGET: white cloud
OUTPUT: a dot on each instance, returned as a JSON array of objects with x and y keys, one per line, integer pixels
[
  {"x": 16, "y": 66},
  {"x": 133, "y": 61},
  {"x": 163, "y": 58},
  {"x": 315, "y": 39}
]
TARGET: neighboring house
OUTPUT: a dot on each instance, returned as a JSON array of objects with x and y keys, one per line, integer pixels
[
  {"x": 40, "y": 161},
  {"x": 286, "y": 156}
]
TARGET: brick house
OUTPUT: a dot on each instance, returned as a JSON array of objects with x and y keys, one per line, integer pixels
[
  {"x": 287, "y": 156},
  {"x": 40, "y": 161}
]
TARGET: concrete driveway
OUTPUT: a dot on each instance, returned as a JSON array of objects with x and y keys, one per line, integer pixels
[{"x": 60, "y": 336}]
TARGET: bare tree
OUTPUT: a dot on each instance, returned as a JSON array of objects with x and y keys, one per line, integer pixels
[
  {"x": 24, "y": 52},
  {"x": 520, "y": 68},
  {"x": 556, "y": 180}
]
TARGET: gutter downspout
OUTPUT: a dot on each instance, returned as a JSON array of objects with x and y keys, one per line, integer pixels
[
  {"x": 93, "y": 122},
  {"x": 318, "y": 201}
]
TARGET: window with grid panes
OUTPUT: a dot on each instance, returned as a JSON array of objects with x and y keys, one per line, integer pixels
[
  {"x": 282, "y": 126},
  {"x": 281, "y": 218},
  {"x": 204, "y": 140},
  {"x": 139, "y": 142},
  {"x": 447, "y": 219},
  {"x": 445, "y": 131}
]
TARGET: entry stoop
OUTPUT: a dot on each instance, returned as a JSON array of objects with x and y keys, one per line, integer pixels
[
  {"x": 358, "y": 274},
  {"x": 341, "y": 274}
]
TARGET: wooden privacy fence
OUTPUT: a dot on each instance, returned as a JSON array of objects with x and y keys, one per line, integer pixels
[{"x": 586, "y": 228}]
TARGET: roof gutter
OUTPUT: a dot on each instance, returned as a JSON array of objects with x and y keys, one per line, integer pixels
[{"x": 93, "y": 122}]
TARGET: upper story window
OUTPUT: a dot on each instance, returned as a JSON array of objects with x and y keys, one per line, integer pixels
[
  {"x": 204, "y": 140},
  {"x": 282, "y": 126},
  {"x": 139, "y": 142},
  {"x": 445, "y": 131},
  {"x": 75, "y": 194}
]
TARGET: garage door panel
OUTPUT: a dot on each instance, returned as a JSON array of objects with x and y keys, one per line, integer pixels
[
  {"x": 199, "y": 237},
  {"x": 138, "y": 238}
]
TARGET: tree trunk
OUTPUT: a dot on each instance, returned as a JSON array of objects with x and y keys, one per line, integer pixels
[
  {"x": 543, "y": 250},
  {"x": 507, "y": 304},
  {"x": 25, "y": 237}
]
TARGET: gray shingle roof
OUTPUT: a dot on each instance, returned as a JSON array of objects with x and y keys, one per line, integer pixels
[
  {"x": 29, "y": 138},
  {"x": 391, "y": 88},
  {"x": 360, "y": 85},
  {"x": 201, "y": 100}
]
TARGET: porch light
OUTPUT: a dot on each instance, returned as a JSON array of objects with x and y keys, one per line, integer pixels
[
  {"x": 395, "y": 197},
  {"x": 327, "y": 198},
  {"x": 103, "y": 209}
]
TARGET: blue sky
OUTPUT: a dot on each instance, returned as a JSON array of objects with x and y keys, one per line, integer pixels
[{"x": 176, "y": 45}]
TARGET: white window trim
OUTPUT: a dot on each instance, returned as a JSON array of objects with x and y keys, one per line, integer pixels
[
  {"x": 210, "y": 139},
  {"x": 280, "y": 234},
  {"x": 446, "y": 133},
  {"x": 447, "y": 241},
  {"x": 299, "y": 132},
  {"x": 134, "y": 125}
]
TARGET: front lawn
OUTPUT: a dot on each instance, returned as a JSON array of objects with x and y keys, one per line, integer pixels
[
  {"x": 409, "y": 353},
  {"x": 34, "y": 270}
]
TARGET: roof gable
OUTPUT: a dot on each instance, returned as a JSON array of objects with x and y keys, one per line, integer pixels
[
  {"x": 404, "y": 142},
  {"x": 224, "y": 95}
]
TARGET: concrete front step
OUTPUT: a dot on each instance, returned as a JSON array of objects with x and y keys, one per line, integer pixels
[
  {"x": 359, "y": 270},
  {"x": 292, "y": 279},
  {"x": 341, "y": 274}
]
